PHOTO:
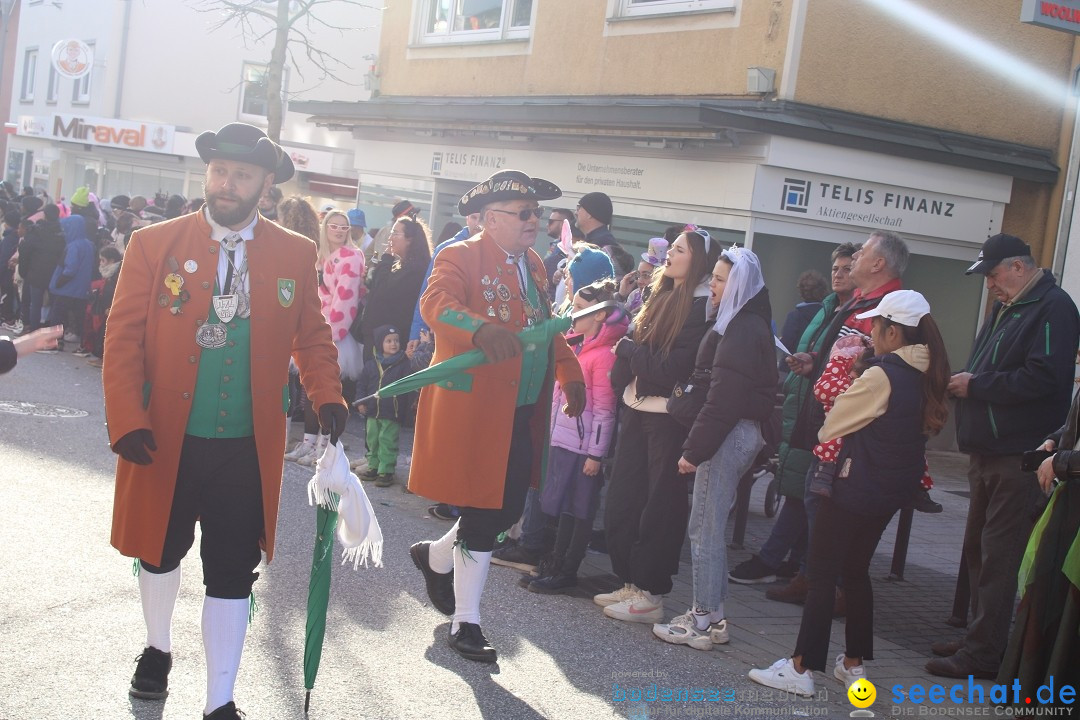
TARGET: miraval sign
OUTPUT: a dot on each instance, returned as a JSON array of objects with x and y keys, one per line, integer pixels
[{"x": 107, "y": 132}]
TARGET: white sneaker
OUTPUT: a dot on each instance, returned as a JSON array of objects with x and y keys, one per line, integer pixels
[
  {"x": 315, "y": 452},
  {"x": 299, "y": 450},
  {"x": 622, "y": 594},
  {"x": 848, "y": 676},
  {"x": 637, "y": 609},
  {"x": 781, "y": 675},
  {"x": 718, "y": 633},
  {"x": 683, "y": 631},
  {"x": 72, "y": 338}
]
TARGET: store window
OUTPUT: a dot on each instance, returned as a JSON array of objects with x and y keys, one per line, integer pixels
[
  {"x": 146, "y": 181},
  {"x": 465, "y": 21},
  {"x": 80, "y": 91},
  {"x": 29, "y": 74},
  {"x": 53, "y": 91},
  {"x": 254, "y": 95},
  {"x": 646, "y": 8}
]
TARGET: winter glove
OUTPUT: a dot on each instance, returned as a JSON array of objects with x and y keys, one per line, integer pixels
[
  {"x": 332, "y": 419},
  {"x": 575, "y": 399},
  {"x": 497, "y": 343},
  {"x": 134, "y": 447}
]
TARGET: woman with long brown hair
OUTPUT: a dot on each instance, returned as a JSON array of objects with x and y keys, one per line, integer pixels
[
  {"x": 647, "y": 510},
  {"x": 885, "y": 418},
  {"x": 395, "y": 281}
]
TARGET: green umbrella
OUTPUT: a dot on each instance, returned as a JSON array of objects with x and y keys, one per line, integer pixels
[
  {"x": 318, "y": 594},
  {"x": 541, "y": 333}
]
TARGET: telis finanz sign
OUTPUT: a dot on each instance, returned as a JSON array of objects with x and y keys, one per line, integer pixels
[
  {"x": 1056, "y": 14},
  {"x": 799, "y": 196}
]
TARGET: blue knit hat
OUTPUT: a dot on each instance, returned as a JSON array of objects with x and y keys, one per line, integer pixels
[{"x": 590, "y": 265}]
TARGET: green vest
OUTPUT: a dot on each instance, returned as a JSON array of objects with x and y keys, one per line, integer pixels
[
  {"x": 534, "y": 358},
  {"x": 221, "y": 406}
]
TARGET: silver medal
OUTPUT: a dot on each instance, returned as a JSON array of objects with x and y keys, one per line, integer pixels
[
  {"x": 211, "y": 336},
  {"x": 226, "y": 306},
  {"x": 244, "y": 309}
]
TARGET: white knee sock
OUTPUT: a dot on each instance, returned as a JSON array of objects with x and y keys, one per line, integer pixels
[
  {"x": 441, "y": 552},
  {"x": 158, "y": 594},
  {"x": 224, "y": 625},
  {"x": 470, "y": 574}
]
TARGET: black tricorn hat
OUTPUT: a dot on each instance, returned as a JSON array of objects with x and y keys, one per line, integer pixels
[
  {"x": 507, "y": 185},
  {"x": 245, "y": 143}
]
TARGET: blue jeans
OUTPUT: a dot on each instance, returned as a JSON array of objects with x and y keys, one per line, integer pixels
[
  {"x": 715, "y": 485},
  {"x": 788, "y": 534}
]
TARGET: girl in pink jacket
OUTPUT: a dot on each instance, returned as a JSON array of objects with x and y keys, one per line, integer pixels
[{"x": 579, "y": 444}]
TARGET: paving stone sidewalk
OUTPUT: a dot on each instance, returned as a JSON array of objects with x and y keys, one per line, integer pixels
[{"x": 908, "y": 615}]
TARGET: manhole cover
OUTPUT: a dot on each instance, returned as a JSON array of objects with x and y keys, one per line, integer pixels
[{"x": 14, "y": 407}]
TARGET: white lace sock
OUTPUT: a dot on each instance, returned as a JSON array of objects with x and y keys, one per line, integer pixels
[
  {"x": 441, "y": 551},
  {"x": 224, "y": 626},
  {"x": 470, "y": 574},
  {"x": 158, "y": 593}
]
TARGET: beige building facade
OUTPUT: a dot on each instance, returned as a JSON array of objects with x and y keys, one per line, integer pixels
[{"x": 786, "y": 125}]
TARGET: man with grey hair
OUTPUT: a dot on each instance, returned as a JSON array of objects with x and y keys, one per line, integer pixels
[
  {"x": 1014, "y": 392},
  {"x": 875, "y": 270}
]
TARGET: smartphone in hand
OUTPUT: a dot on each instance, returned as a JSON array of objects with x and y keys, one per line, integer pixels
[{"x": 1032, "y": 459}]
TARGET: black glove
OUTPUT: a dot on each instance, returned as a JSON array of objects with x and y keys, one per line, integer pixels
[
  {"x": 332, "y": 418},
  {"x": 625, "y": 348},
  {"x": 134, "y": 447}
]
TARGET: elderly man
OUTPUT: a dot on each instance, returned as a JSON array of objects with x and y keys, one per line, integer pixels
[
  {"x": 480, "y": 435},
  {"x": 1014, "y": 392},
  {"x": 875, "y": 271},
  {"x": 198, "y": 426}
]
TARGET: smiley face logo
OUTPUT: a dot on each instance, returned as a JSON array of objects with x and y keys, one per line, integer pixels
[{"x": 862, "y": 693}]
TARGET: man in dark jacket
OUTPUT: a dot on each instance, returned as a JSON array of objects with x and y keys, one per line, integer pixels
[
  {"x": 40, "y": 251},
  {"x": 1014, "y": 392}
]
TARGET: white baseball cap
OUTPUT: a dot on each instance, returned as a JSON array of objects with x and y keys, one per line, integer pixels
[{"x": 905, "y": 307}]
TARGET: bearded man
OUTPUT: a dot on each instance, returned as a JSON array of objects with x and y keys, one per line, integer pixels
[{"x": 208, "y": 309}]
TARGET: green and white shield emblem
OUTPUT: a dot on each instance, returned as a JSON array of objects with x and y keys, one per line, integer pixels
[{"x": 286, "y": 291}]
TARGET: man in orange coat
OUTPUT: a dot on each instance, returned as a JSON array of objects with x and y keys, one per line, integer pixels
[
  {"x": 208, "y": 309},
  {"x": 480, "y": 436}
]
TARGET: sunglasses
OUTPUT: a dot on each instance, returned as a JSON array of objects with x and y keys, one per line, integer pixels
[
  {"x": 526, "y": 214},
  {"x": 702, "y": 232},
  {"x": 334, "y": 226}
]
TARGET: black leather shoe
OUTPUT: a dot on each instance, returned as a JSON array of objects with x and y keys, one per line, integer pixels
[
  {"x": 957, "y": 667},
  {"x": 469, "y": 642},
  {"x": 557, "y": 584},
  {"x": 228, "y": 711},
  {"x": 440, "y": 586},
  {"x": 151, "y": 678}
]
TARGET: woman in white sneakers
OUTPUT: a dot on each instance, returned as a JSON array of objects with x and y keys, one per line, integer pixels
[{"x": 884, "y": 419}]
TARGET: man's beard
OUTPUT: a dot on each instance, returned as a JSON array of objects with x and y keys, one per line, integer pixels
[{"x": 231, "y": 216}]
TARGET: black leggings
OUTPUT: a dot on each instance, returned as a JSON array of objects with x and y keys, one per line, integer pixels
[
  {"x": 479, "y": 527},
  {"x": 218, "y": 483}
]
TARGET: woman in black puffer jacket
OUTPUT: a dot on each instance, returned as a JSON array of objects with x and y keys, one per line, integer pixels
[{"x": 646, "y": 513}]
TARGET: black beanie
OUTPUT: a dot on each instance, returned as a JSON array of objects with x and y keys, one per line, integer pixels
[{"x": 598, "y": 205}]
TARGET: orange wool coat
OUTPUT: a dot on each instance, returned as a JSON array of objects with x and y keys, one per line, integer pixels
[
  {"x": 151, "y": 361},
  {"x": 463, "y": 425}
]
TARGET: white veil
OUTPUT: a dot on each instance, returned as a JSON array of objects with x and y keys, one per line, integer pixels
[{"x": 744, "y": 282}]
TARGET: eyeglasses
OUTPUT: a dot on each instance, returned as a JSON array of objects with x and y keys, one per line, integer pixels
[
  {"x": 524, "y": 215},
  {"x": 702, "y": 232},
  {"x": 334, "y": 226}
]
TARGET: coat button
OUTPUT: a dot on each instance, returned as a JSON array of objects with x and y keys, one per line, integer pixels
[
  {"x": 223, "y": 413},
  {"x": 232, "y": 343},
  {"x": 191, "y": 359},
  {"x": 224, "y": 396},
  {"x": 206, "y": 286},
  {"x": 213, "y": 249},
  {"x": 220, "y": 429},
  {"x": 187, "y": 396},
  {"x": 226, "y": 379},
  {"x": 228, "y": 361},
  {"x": 449, "y": 384}
]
